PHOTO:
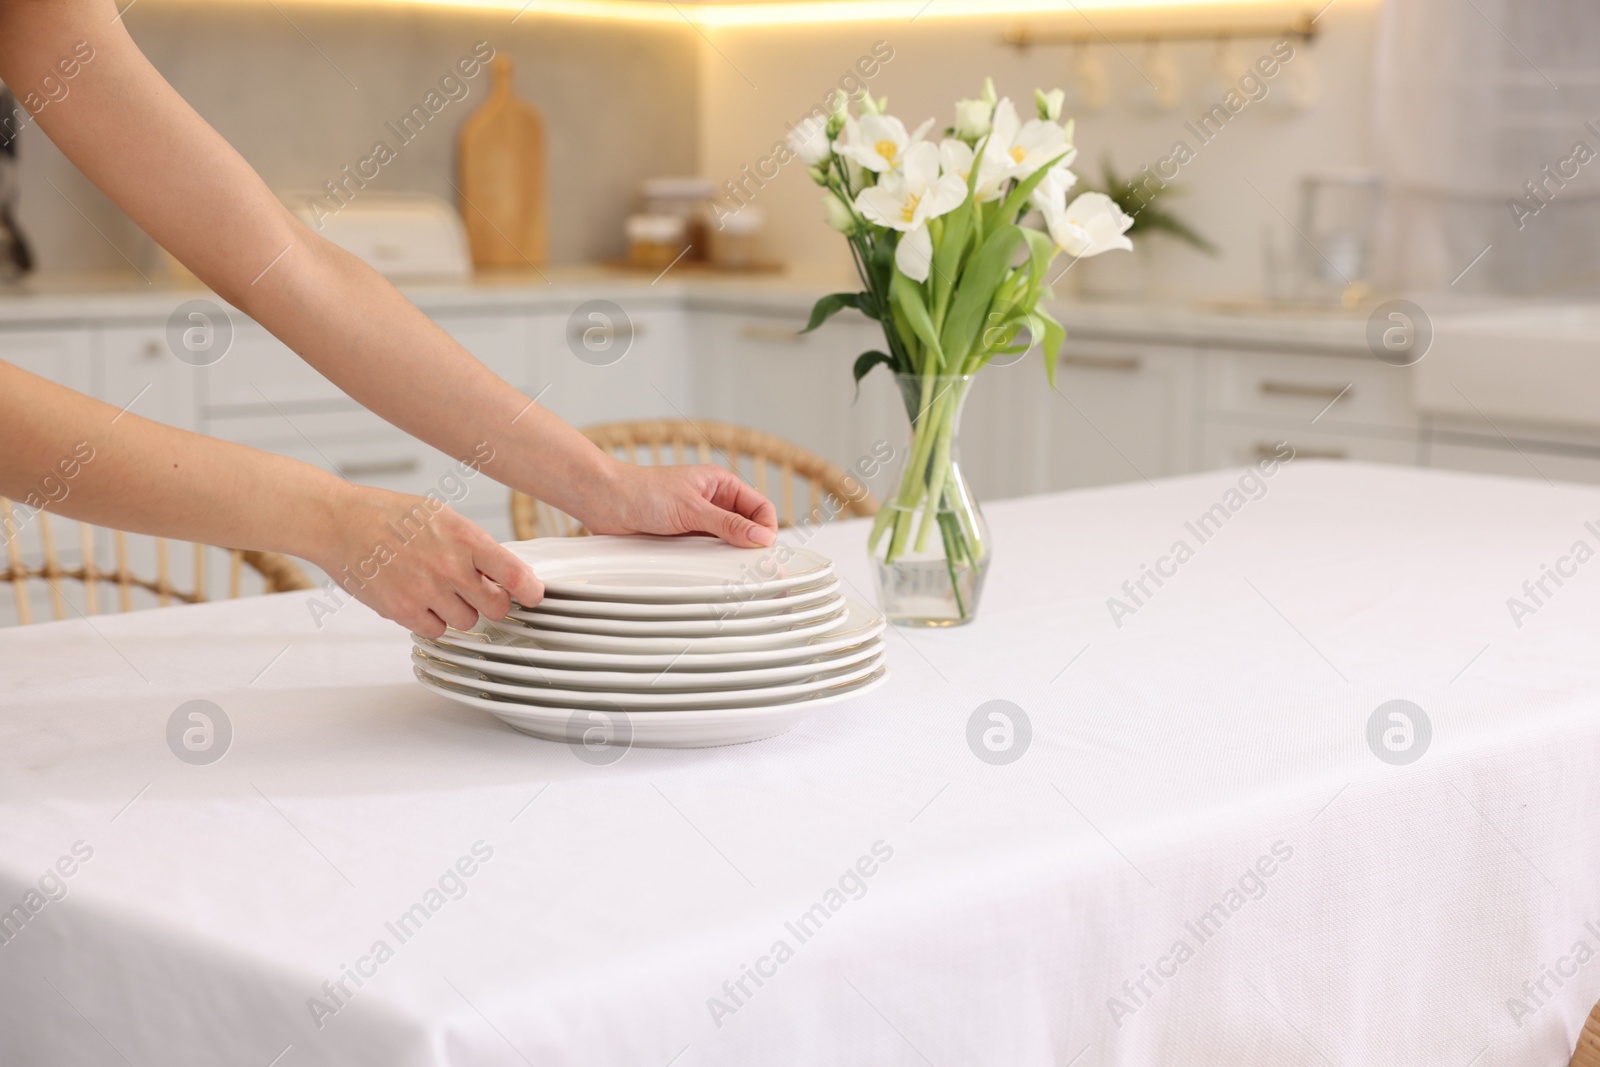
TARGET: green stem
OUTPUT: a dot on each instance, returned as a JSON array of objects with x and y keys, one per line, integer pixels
[
  {"x": 942, "y": 431},
  {"x": 950, "y": 567}
]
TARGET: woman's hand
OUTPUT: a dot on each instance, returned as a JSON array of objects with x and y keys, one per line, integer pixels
[
  {"x": 417, "y": 562},
  {"x": 682, "y": 500}
]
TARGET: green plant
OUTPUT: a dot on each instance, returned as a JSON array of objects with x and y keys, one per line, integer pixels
[{"x": 1141, "y": 199}]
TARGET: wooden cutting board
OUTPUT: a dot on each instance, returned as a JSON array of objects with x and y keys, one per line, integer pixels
[{"x": 500, "y": 178}]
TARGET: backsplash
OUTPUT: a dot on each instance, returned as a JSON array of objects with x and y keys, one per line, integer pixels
[{"x": 308, "y": 101}]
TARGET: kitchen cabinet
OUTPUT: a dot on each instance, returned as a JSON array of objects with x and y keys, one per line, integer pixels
[
  {"x": 1134, "y": 398},
  {"x": 760, "y": 370},
  {"x": 64, "y": 355},
  {"x": 594, "y": 365},
  {"x": 1525, "y": 459},
  {"x": 1224, "y": 445},
  {"x": 139, "y": 373},
  {"x": 1119, "y": 412}
]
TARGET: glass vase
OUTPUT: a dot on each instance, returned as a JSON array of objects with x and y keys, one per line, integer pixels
[{"x": 929, "y": 544}]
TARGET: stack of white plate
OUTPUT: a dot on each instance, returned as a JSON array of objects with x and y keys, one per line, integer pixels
[{"x": 675, "y": 642}]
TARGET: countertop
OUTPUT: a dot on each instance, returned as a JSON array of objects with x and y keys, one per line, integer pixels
[{"x": 112, "y": 299}]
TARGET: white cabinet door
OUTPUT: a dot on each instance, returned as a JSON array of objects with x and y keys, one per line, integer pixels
[
  {"x": 758, "y": 370},
  {"x": 596, "y": 367},
  {"x": 142, "y": 374},
  {"x": 1120, "y": 412},
  {"x": 64, "y": 355},
  {"x": 1297, "y": 389},
  {"x": 1523, "y": 461},
  {"x": 1223, "y": 445},
  {"x": 503, "y": 342}
]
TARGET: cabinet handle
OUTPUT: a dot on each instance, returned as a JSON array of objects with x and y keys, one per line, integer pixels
[
  {"x": 762, "y": 331},
  {"x": 1269, "y": 387},
  {"x": 1266, "y": 451},
  {"x": 1126, "y": 364},
  {"x": 380, "y": 466}
]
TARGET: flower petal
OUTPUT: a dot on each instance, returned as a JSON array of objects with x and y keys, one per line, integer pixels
[
  {"x": 914, "y": 254},
  {"x": 883, "y": 203}
]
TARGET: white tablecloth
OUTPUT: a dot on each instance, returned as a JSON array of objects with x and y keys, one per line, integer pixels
[{"x": 1198, "y": 858}]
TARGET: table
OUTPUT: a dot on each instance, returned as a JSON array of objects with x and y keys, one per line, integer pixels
[{"x": 1185, "y": 841}]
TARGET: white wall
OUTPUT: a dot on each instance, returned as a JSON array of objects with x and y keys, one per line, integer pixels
[{"x": 756, "y": 81}]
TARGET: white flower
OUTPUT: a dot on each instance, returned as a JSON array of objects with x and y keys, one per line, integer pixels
[
  {"x": 878, "y": 142},
  {"x": 1051, "y": 192},
  {"x": 838, "y": 213},
  {"x": 1088, "y": 226},
  {"x": 1023, "y": 148},
  {"x": 809, "y": 140},
  {"x": 906, "y": 199},
  {"x": 956, "y": 157}
]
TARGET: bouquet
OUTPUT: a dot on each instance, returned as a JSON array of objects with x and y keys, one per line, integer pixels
[{"x": 952, "y": 275}]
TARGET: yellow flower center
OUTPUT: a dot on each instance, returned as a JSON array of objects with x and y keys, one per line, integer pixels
[
  {"x": 1018, "y": 154},
  {"x": 908, "y": 210},
  {"x": 887, "y": 149}
]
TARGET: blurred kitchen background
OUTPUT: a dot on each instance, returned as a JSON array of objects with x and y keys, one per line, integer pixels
[{"x": 1381, "y": 162}]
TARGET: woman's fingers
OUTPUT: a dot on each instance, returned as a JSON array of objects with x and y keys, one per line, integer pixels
[
  {"x": 501, "y": 565},
  {"x": 738, "y": 513},
  {"x": 488, "y": 598}
]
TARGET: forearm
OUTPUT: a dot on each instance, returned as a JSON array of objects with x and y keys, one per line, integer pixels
[
  {"x": 364, "y": 336},
  {"x": 126, "y": 128},
  {"x": 81, "y": 458}
]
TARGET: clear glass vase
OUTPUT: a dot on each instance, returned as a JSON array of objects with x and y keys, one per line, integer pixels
[{"x": 929, "y": 544}]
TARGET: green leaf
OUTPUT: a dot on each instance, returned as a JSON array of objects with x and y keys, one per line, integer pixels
[
  {"x": 908, "y": 298},
  {"x": 831, "y": 305},
  {"x": 947, "y": 258},
  {"x": 1041, "y": 251},
  {"x": 864, "y": 364},
  {"x": 979, "y": 281},
  {"x": 1053, "y": 335}
]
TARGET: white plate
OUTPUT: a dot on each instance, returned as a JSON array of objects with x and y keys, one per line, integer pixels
[
  {"x": 538, "y": 621},
  {"x": 790, "y": 634},
  {"x": 543, "y": 696},
  {"x": 860, "y": 624},
  {"x": 654, "y": 729},
  {"x": 667, "y": 570},
  {"x": 728, "y": 609},
  {"x": 656, "y": 681}
]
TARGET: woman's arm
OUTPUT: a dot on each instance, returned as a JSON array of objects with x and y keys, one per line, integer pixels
[
  {"x": 411, "y": 559},
  {"x": 158, "y": 160}
]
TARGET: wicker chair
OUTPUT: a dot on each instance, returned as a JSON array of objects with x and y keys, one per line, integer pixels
[
  {"x": 771, "y": 464},
  {"x": 273, "y": 573}
]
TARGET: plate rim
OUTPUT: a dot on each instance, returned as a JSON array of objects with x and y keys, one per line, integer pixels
[
  {"x": 582, "y": 698},
  {"x": 853, "y": 653}
]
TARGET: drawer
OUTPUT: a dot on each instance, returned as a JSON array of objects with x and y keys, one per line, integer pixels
[
  {"x": 648, "y": 378},
  {"x": 1501, "y": 458},
  {"x": 503, "y": 342},
  {"x": 141, "y": 373},
  {"x": 64, "y": 356},
  {"x": 1223, "y": 445},
  {"x": 362, "y": 448},
  {"x": 1297, "y": 389},
  {"x": 259, "y": 363},
  {"x": 259, "y": 371}
]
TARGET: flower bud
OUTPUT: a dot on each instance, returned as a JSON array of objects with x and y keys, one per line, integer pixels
[
  {"x": 1049, "y": 104},
  {"x": 838, "y": 214},
  {"x": 974, "y": 118},
  {"x": 809, "y": 140}
]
